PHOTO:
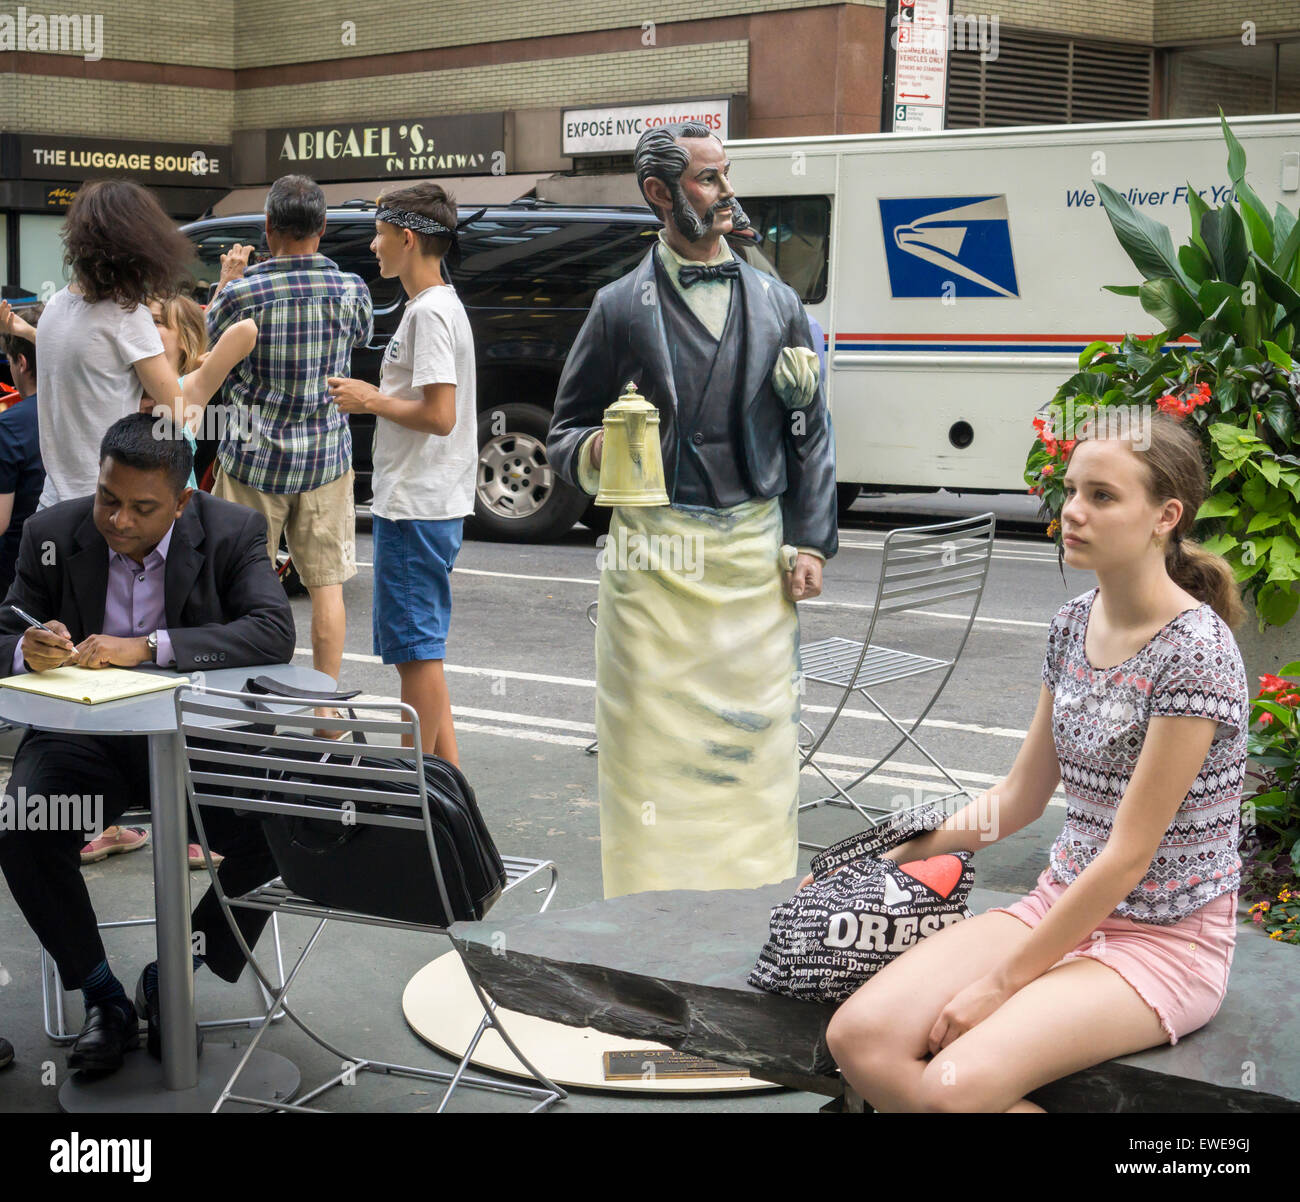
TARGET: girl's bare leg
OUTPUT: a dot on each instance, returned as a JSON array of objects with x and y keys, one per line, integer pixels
[
  {"x": 879, "y": 1036},
  {"x": 1075, "y": 1015}
]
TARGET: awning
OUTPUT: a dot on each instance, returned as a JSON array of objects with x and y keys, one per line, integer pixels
[{"x": 467, "y": 189}]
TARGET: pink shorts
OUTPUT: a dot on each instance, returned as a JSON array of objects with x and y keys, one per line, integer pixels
[{"x": 1180, "y": 971}]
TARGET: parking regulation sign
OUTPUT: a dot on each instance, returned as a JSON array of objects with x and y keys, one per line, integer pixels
[{"x": 919, "y": 40}]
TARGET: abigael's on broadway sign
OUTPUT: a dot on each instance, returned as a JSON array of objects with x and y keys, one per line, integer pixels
[
  {"x": 181, "y": 164},
  {"x": 468, "y": 145}
]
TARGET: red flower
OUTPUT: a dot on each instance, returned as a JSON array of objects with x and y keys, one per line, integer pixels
[
  {"x": 1266, "y": 719},
  {"x": 1288, "y": 698},
  {"x": 1068, "y": 445},
  {"x": 1268, "y": 683}
]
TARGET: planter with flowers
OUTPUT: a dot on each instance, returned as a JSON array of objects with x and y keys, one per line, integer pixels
[
  {"x": 1270, "y": 850},
  {"x": 1234, "y": 287}
]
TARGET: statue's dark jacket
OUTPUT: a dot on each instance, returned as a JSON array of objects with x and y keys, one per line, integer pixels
[{"x": 788, "y": 453}]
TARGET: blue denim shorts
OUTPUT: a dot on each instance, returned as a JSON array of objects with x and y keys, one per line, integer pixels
[{"x": 412, "y": 610}]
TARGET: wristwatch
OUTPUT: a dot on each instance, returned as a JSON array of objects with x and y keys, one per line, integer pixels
[{"x": 152, "y": 641}]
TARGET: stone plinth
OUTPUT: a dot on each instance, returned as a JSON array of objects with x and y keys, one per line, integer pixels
[{"x": 670, "y": 967}]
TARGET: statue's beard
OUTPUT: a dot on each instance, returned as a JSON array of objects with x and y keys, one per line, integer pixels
[{"x": 694, "y": 227}]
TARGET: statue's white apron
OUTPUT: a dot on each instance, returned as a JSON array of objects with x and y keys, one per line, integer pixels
[{"x": 697, "y": 703}]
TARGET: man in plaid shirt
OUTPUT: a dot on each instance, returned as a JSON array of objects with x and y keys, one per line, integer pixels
[{"x": 288, "y": 454}]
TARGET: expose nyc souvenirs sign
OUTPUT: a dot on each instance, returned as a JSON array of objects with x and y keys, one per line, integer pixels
[{"x": 416, "y": 146}]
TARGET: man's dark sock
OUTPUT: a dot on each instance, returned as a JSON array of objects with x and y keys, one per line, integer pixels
[
  {"x": 102, "y": 988},
  {"x": 151, "y": 975}
]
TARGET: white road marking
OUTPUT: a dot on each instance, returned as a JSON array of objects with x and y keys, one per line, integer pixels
[
  {"x": 821, "y": 604},
  {"x": 582, "y": 682}
]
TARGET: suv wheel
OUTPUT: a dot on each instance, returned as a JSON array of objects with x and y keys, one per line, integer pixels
[{"x": 517, "y": 496}]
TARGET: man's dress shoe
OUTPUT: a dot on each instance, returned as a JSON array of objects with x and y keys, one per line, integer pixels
[
  {"x": 109, "y": 1033},
  {"x": 148, "y": 1005}
]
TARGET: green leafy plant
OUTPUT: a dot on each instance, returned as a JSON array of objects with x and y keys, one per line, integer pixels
[
  {"x": 1235, "y": 286},
  {"x": 1271, "y": 814}
]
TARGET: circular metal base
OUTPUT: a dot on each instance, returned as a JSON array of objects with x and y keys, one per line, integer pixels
[
  {"x": 137, "y": 1087},
  {"x": 440, "y": 1006}
]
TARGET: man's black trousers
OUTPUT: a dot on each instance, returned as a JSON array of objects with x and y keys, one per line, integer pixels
[{"x": 43, "y": 868}]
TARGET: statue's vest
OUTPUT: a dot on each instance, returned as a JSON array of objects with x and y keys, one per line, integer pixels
[{"x": 707, "y": 376}]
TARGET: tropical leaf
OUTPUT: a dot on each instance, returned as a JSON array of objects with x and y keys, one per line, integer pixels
[
  {"x": 1171, "y": 305},
  {"x": 1198, "y": 209},
  {"x": 1286, "y": 232},
  {"x": 1091, "y": 351},
  {"x": 1280, "y": 291},
  {"x": 1237, "y": 173},
  {"x": 1195, "y": 262},
  {"x": 1225, "y": 243},
  {"x": 1146, "y": 241},
  {"x": 1122, "y": 289}
]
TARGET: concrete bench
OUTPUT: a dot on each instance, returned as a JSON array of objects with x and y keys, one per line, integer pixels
[{"x": 670, "y": 967}]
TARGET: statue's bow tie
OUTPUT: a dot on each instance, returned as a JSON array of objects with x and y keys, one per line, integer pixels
[{"x": 730, "y": 270}]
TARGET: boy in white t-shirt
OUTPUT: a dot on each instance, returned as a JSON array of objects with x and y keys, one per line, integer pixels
[{"x": 425, "y": 455}]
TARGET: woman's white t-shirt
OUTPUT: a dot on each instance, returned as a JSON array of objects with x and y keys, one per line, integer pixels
[
  {"x": 428, "y": 476},
  {"x": 85, "y": 381}
]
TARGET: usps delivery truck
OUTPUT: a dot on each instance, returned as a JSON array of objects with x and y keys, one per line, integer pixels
[{"x": 958, "y": 274}]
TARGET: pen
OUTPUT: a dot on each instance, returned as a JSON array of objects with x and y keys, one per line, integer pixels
[{"x": 26, "y": 617}]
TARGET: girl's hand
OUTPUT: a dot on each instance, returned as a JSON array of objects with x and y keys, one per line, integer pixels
[
  {"x": 13, "y": 325},
  {"x": 970, "y": 1007}
]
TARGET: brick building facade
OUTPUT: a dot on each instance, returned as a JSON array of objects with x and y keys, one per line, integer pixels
[{"x": 222, "y": 75}]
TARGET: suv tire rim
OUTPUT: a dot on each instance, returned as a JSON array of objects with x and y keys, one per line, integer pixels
[{"x": 514, "y": 478}]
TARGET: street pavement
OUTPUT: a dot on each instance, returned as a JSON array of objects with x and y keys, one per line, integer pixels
[{"x": 521, "y": 669}]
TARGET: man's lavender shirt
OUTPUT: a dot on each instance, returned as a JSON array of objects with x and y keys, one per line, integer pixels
[{"x": 134, "y": 602}]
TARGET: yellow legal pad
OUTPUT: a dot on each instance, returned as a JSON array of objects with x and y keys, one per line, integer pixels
[{"x": 91, "y": 685}]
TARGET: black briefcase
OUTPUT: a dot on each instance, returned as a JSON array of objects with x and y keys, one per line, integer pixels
[{"x": 386, "y": 870}]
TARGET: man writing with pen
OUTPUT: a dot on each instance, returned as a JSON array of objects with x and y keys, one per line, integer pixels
[{"x": 146, "y": 571}]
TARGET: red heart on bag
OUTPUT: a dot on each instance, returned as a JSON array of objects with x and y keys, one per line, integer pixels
[{"x": 939, "y": 873}]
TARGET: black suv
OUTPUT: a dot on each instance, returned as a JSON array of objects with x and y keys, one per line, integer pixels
[{"x": 527, "y": 273}]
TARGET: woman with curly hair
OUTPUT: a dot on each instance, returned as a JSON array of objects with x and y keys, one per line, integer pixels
[{"x": 98, "y": 351}]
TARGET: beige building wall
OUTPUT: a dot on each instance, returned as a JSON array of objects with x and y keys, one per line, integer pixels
[
  {"x": 196, "y": 33},
  {"x": 295, "y": 31},
  {"x": 713, "y": 69},
  {"x": 103, "y": 108},
  {"x": 1187, "y": 21}
]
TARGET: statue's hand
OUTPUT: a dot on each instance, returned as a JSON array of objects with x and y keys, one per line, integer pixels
[
  {"x": 805, "y": 582},
  {"x": 795, "y": 376}
]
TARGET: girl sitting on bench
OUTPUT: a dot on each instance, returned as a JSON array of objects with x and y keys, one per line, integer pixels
[{"x": 1127, "y": 939}]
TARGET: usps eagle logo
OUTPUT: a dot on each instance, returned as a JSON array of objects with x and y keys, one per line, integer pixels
[{"x": 938, "y": 246}]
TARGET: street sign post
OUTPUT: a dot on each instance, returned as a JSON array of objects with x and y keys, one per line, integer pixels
[{"x": 916, "y": 66}]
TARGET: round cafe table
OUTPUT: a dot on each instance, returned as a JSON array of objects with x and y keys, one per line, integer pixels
[{"x": 184, "y": 1081}]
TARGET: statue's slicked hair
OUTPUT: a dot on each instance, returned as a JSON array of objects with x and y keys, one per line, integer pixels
[{"x": 659, "y": 157}]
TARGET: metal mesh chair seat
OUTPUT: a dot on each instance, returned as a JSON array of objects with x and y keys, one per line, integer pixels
[
  {"x": 277, "y": 897},
  {"x": 833, "y": 660},
  {"x": 944, "y": 564}
]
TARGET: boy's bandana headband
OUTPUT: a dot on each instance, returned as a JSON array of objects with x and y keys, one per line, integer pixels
[{"x": 422, "y": 224}]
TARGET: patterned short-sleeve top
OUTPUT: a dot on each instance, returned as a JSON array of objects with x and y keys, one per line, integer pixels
[{"x": 1099, "y": 722}]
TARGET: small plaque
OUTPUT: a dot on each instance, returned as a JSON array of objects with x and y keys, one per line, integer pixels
[{"x": 653, "y": 1063}]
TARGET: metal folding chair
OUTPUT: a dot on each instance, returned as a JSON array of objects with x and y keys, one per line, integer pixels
[
  {"x": 236, "y": 775},
  {"x": 923, "y": 566}
]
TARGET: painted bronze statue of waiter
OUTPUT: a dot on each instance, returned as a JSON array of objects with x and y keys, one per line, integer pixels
[{"x": 697, "y": 660}]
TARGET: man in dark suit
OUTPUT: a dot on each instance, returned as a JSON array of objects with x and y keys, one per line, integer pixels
[
  {"x": 144, "y": 571},
  {"x": 697, "y": 674}
]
